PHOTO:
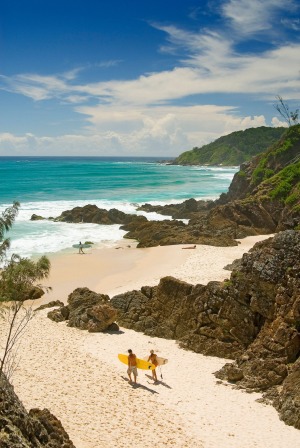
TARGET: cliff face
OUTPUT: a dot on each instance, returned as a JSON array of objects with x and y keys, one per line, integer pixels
[
  {"x": 33, "y": 429},
  {"x": 253, "y": 317}
]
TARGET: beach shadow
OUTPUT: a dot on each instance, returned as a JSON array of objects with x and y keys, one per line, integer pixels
[
  {"x": 159, "y": 382},
  {"x": 140, "y": 386},
  {"x": 113, "y": 332}
]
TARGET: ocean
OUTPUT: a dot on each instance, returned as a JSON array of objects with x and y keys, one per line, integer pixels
[{"x": 47, "y": 186}]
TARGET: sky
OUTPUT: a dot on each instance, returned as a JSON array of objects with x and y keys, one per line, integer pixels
[{"x": 142, "y": 77}]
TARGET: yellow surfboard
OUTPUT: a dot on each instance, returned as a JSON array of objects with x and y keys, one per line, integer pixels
[{"x": 140, "y": 363}]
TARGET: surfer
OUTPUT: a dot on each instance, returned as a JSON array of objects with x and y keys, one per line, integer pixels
[
  {"x": 153, "y": 358},
  {"x": 132, "y": 366},
  {"x": 80, "y": 248}
]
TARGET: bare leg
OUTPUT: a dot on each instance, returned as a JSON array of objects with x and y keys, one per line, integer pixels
[{"x": 154, "y": 374}]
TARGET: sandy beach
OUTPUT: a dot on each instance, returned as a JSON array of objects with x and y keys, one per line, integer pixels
[
  {"x": 123, "y": 268},
  {"x": 78, "y": 377}
]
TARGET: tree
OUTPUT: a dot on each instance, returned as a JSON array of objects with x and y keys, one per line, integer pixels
[
  {"x": 18, "y": 283},
  {"x": 291, "y": 117},
  {"x": 6, "y": 221}
]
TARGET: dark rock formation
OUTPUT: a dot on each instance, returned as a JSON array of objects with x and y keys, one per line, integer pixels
[
  {"x": 186, "y": 210},
  {"x": 287, "y": 401},
  {"x": 86, "y": 310},
  {"x": 164, "y": 233},
  {"x": 20, "y": 429},
  {"x": 51, "y": 304},
  {"x": 35, "y": 217},
  {"x": 93, "y": 214},
  {"x": 253, "y": 317}
]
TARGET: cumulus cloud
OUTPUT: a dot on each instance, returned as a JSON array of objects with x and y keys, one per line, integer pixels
[
  {"x": 161, "y": 132},
  {"x": 278, "y": 123}
]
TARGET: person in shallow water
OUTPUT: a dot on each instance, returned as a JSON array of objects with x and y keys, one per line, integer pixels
[
  {"x": 80, "y": 248},
  {"x": 132, "y": 366}
]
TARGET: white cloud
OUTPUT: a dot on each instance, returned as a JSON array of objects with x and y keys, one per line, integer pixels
[
  {"x": 165, "y": 112},
  {"x": 166, "y": 132},
  {"x": 277, "y": 123},
  {"x": 248, "y": 17}
]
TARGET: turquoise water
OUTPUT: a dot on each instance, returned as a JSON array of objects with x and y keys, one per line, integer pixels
[{"x": 47, "y": 186}]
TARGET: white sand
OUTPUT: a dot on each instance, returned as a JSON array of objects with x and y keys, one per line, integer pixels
[{"x": 77, "y": 375}]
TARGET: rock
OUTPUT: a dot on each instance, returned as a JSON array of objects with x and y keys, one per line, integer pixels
[
  {"x": 22, "y": 429},
  {"x": 253, "y": 317},
  {"x": 113, "y": 328},
  {"x": 51, "y": 304},
  {"x": 288, "y": 400},
  {"x": 185, "y": 210},
  {"x": 93, "y": 214},
  {"x": 36, "y": 218},
  {"x": 86, "y": 310},
  {"x": 164, "y": 233},
  {"x": 59, "y": 315}
]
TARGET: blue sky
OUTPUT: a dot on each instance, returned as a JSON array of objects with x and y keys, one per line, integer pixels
[{"x": 139, "y": 77}]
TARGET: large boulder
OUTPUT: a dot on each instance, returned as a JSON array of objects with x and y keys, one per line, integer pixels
[
  {"x": 93, "y": 214},
  {"x": 86, "y": 310}
]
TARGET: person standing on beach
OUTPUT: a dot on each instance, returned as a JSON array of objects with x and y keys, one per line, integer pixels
[
  {"x": 153, "y": 359},
  {"x": 80, "y": 248},
  {"x": 132, "y": 368}
]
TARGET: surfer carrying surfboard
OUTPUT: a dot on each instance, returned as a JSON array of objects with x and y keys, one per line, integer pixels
[
  {"x": 132, "y": 366},
  {"x": 80, "y": 248},
  {"x": 153, "y": 358}
]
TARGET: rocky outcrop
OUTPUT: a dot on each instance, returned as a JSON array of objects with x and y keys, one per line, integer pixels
[
  {"x": 185, "y": 210},
  {"x": 51, "y": 304},
  {"x": 287, "y": 401},
  {"x": 33, "y": 429},
  {"x": 93, "y": 214},
  {"x": 165, "y": 233},
  {"x": 254, "y": 317},
  {"x": 86, "y": 310},
  {"x": 35, "y": 217}
]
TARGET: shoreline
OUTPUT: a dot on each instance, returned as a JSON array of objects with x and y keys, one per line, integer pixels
[{"x": 115, "y": 270}]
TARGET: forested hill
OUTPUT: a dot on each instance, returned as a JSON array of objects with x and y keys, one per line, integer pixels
[{"x": 232, "y": 149}]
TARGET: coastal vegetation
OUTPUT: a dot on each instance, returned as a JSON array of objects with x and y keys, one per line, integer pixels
[
  {"x": 232, "y": 149},
  {"x": 18, "y": 282},
  {"x": 291, "y": 117}
]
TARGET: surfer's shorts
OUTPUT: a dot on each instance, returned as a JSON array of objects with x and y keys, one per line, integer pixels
[{"x": 132, "y": 370}]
